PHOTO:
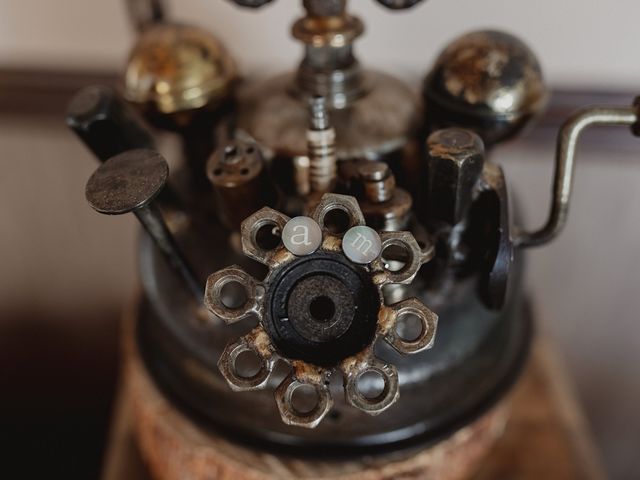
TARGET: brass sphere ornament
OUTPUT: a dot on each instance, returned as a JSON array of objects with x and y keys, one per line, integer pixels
[
  {"x": 176, "y": 68},
  {"x": 486, "y": 81}
]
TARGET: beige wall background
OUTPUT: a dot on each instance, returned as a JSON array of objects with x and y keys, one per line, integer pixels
[
  {"x": 580, "y": 42},
  {"x": 57, "y": 254}
]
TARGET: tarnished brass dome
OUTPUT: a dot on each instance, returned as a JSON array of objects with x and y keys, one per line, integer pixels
[
  {"x": 174, "y": 68},
  {"x": 487, "y": 81}
]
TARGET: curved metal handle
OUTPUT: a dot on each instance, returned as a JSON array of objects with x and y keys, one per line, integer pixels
[{"x": 565, "y": 165}]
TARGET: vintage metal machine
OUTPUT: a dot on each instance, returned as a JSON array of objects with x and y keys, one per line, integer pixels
[{"x": 332, "y": 268}]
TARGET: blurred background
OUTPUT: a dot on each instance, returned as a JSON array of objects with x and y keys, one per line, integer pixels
[{"x": 67, "y": 272}]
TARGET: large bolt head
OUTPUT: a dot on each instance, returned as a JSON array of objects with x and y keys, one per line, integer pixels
[{"x": 455, "y": 162}]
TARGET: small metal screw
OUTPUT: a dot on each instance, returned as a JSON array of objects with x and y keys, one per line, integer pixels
[{"x": 129, "y": 182}]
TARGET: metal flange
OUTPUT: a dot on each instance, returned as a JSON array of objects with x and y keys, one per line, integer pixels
[{"x": 321, "y": 308}]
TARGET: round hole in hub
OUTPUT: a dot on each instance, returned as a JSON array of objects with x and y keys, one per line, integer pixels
[
  {"x": 409, "y": 327},
  {"x": 322, "y": 308},
  {"x": 247, "y": 364},
  {"x": 337, "y": 221},
  {"x": 372, "y": 385},
  {"x": 396, "y": 257},
  {"x": 304, "y": 399},
  {"x": 268, "y": 236},
  {"x": 233, "y": 294}
]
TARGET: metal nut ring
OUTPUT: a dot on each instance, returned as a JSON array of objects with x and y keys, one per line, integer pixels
[
  {"x": 213, "y": 294},
  {"x": 388, "y": 396},
  {"x": 408, "y": 243},
  {"x": 250, "y": 228},
  {"x": 345, "y": 203},
  {"x": 228, "y": 367},
  {"x": 429, "y": 322},
  {"x": 290, "y": 415}
]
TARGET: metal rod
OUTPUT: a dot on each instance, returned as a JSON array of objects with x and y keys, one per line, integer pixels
[
  {"x": 105, "y": 123},
  {"x": 321, "y": 145},
  {"x": 567, "y": 142},
  {"x": 151, "y": 219}
]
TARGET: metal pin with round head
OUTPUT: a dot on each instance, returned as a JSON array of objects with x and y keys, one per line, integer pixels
[
  {"x": 129, "y": 182},
  {"x": 302, "y": 236}
]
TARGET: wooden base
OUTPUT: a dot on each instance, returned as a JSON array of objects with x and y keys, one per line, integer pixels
[{"x": 544, "y": 438}]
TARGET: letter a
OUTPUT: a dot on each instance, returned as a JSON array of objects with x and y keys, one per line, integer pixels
[{"x": 300, "y": 238}]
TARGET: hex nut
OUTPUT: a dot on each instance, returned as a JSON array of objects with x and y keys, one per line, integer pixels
[
  {"x": 428, "y": 319},
  {"x": 407, "y": 242},
  {"x": 390, "y": 392},
  {"x": 213, "y": 294},
  {"x": 227, "y": 367},
  {"x": 250, "y": 229},
  {"x": 290, "y": 416},
  {"x": 345, "y": 203}
]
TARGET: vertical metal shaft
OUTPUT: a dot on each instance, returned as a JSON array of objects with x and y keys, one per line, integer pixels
[
  {"x": 151, "y": 219},
  {"x": 321, "y": 143}
]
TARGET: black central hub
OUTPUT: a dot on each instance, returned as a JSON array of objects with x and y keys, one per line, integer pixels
[{"x": 322, "y": 309}]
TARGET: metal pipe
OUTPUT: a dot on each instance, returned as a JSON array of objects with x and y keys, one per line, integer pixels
[{"x": 565, "y": 165}]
